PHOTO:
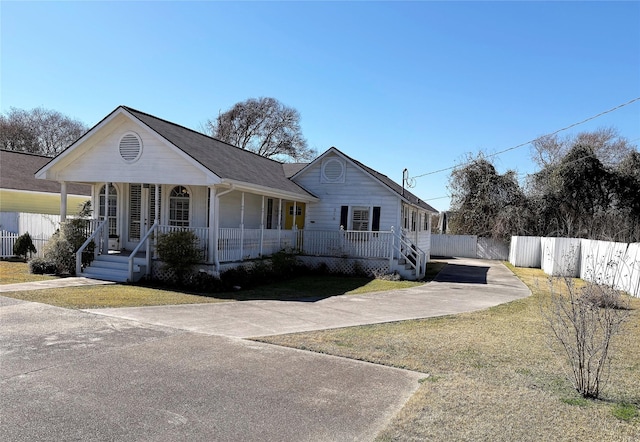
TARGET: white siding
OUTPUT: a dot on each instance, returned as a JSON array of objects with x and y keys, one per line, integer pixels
[
  {"x": 230, "y": 205},
  {"x": 101, "y": 161},
  {"x": 359, "y": 189}
]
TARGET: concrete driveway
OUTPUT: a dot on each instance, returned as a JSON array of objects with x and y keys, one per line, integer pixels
[
  {"x": 463, "y": 285},
  {"x": 172, "y": 374}
]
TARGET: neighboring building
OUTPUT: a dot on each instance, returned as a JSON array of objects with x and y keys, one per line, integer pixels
[
  {"x": 29, "y": 204},
  {"x": 161, "y": 177}
]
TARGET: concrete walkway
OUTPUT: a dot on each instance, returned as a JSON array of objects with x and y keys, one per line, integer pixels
[
  {"x": 464, "y": 285},
  {"x": 51, "y": 284}
]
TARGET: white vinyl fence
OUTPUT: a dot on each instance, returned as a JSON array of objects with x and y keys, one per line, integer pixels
[
  {"x": 611, "y": 263},
  {"x": 8, "y": 239},
  {"x": 468, "y": 246}
]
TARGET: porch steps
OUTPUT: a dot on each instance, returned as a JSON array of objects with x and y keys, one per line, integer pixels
[
  {"x": 114, "y": 268},
  {"x": 404, "y": 269}
]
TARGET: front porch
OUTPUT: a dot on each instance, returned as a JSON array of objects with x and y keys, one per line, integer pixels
[{"x": 391, "y": 250}]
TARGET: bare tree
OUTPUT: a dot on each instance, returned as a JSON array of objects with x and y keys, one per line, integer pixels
[
  {"x": 583, "y": 323},
  {"x": 42, "y": 131},
  {"x": 607, "y": 144},
  {"x": 264, "y": 126}
]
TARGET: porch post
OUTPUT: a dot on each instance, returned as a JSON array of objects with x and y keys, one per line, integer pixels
[
  {"x": 295, "y": 212},
  {"x": 63, "y": 201},
  {"x": 392, "y": 252},
  {"x": 213, "y": 235},
  {"x": 262, "y": 227},
  {"x": 105, "y": 232},
  {"x": 156, "y": 216},
  {"x": 242, "y": 227},
  {"x": 280, "y": 223}
]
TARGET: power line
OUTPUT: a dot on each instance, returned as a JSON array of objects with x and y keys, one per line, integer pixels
[{"x": 531, "y": 141}]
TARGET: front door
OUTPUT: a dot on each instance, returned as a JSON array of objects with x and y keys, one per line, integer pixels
[
  {"x": 289, "y": 215},
  {"x": 141, "y": 212}
]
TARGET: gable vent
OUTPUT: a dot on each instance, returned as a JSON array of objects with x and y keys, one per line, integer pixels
[
  {"x": 333, "y": 171},
  {"x": 130, "y": 147}
]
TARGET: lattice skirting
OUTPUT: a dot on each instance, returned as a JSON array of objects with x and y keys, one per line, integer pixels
[
  {"x": 159, "y": 273},
  {"x": 347, "y": 266}
]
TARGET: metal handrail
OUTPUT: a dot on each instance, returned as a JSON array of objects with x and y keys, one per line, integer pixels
[
  {"x": 145, "y": 239},
  {"x": 86, "y": 243}
]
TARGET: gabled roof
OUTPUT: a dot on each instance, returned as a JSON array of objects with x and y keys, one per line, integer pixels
[
  {"x": 383, "y": 179},
  {"x": 225, "y": 160},
  {"x": 17, "y": 171}
]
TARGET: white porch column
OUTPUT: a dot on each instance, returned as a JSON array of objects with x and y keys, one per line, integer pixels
[
  {"x": 280, "y": 223},
  {"x": 156, "y": 216},
  {"x": 295, "y": 212},
  {"x": 242, "y": 227},
  {"x": 63, "y": 201},
  {"x": 213, "y": 230},
  {"x": 105, "y": 233},
  {"x": 262, "y": 227}
]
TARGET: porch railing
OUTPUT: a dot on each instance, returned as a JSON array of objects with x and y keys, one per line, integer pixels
[
  {"x": 95, "y": 234},
  {"x": 410, "y": 253},
  {"x": 343, "y": 243},
  {"x": 239, "y": 244},
  {"x": 146, "y": 240}
]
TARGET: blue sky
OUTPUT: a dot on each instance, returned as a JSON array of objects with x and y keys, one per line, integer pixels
[{"x": 396, "y": 85}]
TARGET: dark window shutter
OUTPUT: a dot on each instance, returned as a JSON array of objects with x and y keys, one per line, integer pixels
[
  {"x": 375, "y": 225},
  {"x": 344, "y": 216}
]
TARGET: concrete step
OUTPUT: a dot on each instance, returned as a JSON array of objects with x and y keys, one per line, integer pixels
[
  {"x": 106, "y": 274},
  {"x": 114, "y": 268}
]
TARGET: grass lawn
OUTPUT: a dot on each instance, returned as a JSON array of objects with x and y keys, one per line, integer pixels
[
  {"x": 123, "y": 295},
  {"x": 491, "y": 375},
  {"x": 12, "y": 272}
]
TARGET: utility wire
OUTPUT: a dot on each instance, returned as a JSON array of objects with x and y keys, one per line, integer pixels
[{"x": 531, "y": 141}]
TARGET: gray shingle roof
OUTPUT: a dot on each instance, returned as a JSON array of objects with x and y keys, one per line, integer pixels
[
  {"x": 17, "y": 170},
  {"x": 223, "y": 159}
]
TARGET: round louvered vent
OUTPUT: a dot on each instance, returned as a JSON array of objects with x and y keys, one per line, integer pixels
[
  {"x": 130, "y": 147},
  {"x": 333, "y": 171}
]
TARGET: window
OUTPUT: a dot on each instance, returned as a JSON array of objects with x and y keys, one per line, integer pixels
[
  {"x": 360, "y": 218},
  {"x": 113, "y": 203},
  {"x": 179, "y": 207},
  {"x": 298, "y": 210}
]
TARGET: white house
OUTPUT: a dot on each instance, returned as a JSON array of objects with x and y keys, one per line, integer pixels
[
  {"x": 28, "y": 205},
  {"x": 160, "y": 177}
]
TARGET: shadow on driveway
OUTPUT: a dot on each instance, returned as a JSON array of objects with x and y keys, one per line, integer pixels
[{"x": 463, "y": 274}]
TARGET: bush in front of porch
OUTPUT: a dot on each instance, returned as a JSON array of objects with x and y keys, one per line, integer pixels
[{"x": 179, "y": 252}]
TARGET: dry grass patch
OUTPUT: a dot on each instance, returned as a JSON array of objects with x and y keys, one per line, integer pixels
[
  {"x": 112, "y": 295},
  {"x": 493, "y": 375},
  {"x": 12, "y": 272}
]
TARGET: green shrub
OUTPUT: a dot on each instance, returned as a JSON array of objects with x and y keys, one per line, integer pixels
[
  {"x": 24, "y": 246},
  {"x": 179, "y": 252},
  {"x": 41, "y": 266},
  {"x": 63, "y": 245}
]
